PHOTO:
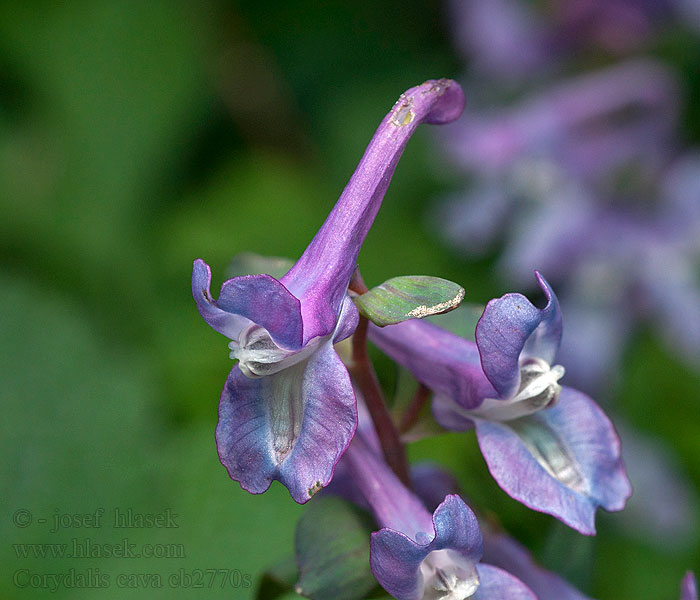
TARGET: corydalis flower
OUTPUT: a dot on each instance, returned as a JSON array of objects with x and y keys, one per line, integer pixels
[
  {"x": 689, "y": 587},
  {"x": 432, "y": 484},
  {"x": 287, "y": 411},
  {"x": 418, "y": 556},
  {"x": 548, "y": 446}
]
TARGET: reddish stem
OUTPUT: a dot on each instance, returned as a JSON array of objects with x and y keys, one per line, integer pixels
[
  {"x": 364, "y": 376},
  {"x": 409, "y": 418}
]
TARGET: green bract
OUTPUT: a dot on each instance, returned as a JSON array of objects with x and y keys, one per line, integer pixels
[{"x": 410, "y": 297}]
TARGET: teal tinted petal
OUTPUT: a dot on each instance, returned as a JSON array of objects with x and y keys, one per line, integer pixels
[{"x": 564, "y": 461}]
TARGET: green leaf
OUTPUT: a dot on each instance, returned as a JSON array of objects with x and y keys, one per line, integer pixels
[
  {"x": 250, "y": 263},
  {"x": 409, "y": 297},
  {"x": 332, "y": 551}
]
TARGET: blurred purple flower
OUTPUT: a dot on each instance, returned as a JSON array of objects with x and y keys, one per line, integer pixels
[
  {"x": 618, "y": 26},
  {"x": 415, "y": 555},
  {"x": 670, "y": 519},
  {"x": 510, "y": 41},
  {"x": 287, "y": 411},
  {"x": 548, "y": 446},
  {"x": 501, "y": 38},
  {"x": 589, "y": 124},
  {"x": 548, "y": 177},
  {"x": 689, "y": 587}
]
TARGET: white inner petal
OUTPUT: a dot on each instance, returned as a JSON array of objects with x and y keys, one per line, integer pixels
[
  {"x": 259, "y": 356},
  {"x": 448, "y": 576},
  {"x": 286, "y": 409},
  {"x": 549, "y": 451},
  {"x": 539, "y": 388}
]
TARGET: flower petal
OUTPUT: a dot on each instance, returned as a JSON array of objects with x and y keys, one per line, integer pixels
[
  {"x": 395, "y": 560},
  {"x": 292, "y": 426},
  {"x": 456, "y": 528},
  {"x": 511, "y": 326},
  {"x": 449, "y": 415},
  {"x": 321, "y": 276},
  {"x": 440, "y": 360},
  {"x": 564, "y": 461},
  {"x": 495, "y": 583},
  {"x": 544, "y": 341},
  {"x": 347, "y": 320},
  {"x": 224, "y": 322},
  {"x": 259, "y": 299}
]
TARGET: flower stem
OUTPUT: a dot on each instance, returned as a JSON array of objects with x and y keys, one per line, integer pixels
[
  {"x": 366, "y": 379},
  {"x": 363, "y": 373},
  {"x": 409, "y": 418}
]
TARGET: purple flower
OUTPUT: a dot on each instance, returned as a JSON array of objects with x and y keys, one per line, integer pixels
[
  {"x": 431, "y": 482},
  {"x": 509, "y": 41},
  {"x": 501, "y": 38},
  {"x": 416, "y": 555},
  {"x": 548, "y": 446},
  {"x": 669, "y": 519},
  {"x": 287, "y": 411},
  {"x": 689, "y": 587},
  {"x": 589, "y": 124},
  {"x": 616, "y": 25}
]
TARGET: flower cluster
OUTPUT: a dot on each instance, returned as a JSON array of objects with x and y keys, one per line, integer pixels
[
  {"x": 583, "y": 176},
  {"x": 298, "y": 407}
]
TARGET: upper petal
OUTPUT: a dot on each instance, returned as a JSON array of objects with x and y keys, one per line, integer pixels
[
  {"x": 321, "y": 276},
  {"x": 259, "y": 299},
  {"x": 292, "y": 426},
  {"x": 512, "y": 326},
  {"x": 564, "y": 461},
  {"x": 456, "y": 528},
  {"x": 224, "y": 322}
]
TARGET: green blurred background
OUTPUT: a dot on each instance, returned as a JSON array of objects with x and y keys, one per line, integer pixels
[{"x": 137, "y": 136}]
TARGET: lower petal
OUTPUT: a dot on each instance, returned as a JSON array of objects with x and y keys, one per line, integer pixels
[
  {"x": 292, "y": 426},
  {"x": 564, "y": 461}
]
